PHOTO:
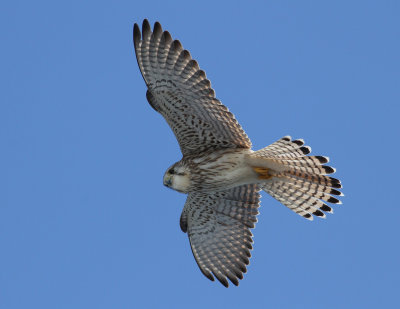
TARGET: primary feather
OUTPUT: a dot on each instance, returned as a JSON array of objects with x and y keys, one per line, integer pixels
[{"x": 182, "y": 94}]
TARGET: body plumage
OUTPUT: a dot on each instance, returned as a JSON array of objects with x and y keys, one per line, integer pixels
[{"x": 212, "y": 171}]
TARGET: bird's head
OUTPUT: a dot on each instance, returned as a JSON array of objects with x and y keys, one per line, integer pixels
[{"x": 177, "y": 177}]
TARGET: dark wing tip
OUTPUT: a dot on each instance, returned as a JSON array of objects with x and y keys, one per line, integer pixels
[
  {"x": 157, "y": 30},
  {"x": 136, "y": 34},
  {"x": 177, "y": 46},
  {"x": 186, "y": 55},
  {"x": 146, "y": 28},
  {"x": 234, "y": 280},
  {"x": 221, "y": 278},
  {"x": 207, "y": 274},
  {"x": 201, "y": 74},
  {"x": 193, "y": 63},
  {"x": 166, "y": 36}
]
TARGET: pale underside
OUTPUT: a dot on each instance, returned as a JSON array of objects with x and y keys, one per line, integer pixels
[{"x": 218, "y": 223}]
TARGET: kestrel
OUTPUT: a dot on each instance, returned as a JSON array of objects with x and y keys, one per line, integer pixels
[{"x": 219, "y": 171}]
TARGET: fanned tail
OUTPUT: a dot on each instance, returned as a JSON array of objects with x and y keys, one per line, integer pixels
[{"x": 298, "y": 181}]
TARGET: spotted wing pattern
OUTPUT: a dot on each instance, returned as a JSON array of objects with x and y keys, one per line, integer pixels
[
  {"x": 182, "y": 94},
  {"x": 218, "y": 226}
]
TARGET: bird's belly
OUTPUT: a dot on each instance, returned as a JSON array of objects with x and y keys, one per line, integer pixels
[{"x": 224, "y": 171}]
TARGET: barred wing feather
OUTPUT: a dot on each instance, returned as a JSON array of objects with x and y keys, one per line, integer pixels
[
  {"x": 181, "y": 92},
  {"x": 218, "y": 226}
]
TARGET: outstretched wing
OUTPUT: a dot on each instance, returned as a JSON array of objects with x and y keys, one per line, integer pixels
[
  {"x": 181, "y": 92},
  {"x": 218, "y": 226}
]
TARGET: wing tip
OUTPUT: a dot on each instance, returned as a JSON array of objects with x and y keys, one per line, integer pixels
[
  {"x": 221, "y": 278},
  {"x": 207, "y": 274},
  {"x": 234, "y": 280},
  {"x": 166, "y": 37},
  {"x": 146, "y": 26},
  {"x": 136, "y": 35},
  {"x": 177, "y": 46},
  {"x": 157, "y": 29}
]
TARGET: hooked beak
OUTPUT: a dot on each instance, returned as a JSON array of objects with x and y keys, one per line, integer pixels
[{"x": 168, "y": 180}]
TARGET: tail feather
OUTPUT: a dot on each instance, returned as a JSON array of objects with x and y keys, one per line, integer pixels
[
  {"x": 305, "y": 165},
  {"x": 313, "y": 178},
  {"x": 298, "y": 201},
  {"x": 307, "y": 161},
  {"x": 314, "y": 188},
  {"x": 298, "y": 181},
  {"x": 285, "y": 148},
  {"x": 316, "y": 194}
]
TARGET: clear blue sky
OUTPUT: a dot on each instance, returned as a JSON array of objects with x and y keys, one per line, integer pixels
[{"x": 85, "y": 221}]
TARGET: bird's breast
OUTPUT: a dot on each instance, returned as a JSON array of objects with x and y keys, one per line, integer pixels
[{"x": 220, "y": 170}]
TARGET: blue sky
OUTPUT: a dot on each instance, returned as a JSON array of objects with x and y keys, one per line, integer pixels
[{"x": 85, "y": 221}]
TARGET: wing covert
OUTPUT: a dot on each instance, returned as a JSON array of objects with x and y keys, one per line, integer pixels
[{"x": 182, "y": 94}]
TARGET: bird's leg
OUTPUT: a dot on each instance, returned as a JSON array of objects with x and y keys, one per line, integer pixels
[{"x": 263, "y": 172}]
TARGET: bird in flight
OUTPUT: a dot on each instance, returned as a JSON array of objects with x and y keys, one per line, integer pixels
[{"x": 219, "y": 171}]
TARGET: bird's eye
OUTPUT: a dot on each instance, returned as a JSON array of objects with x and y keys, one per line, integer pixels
[{"x": 171, "y": 171}]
